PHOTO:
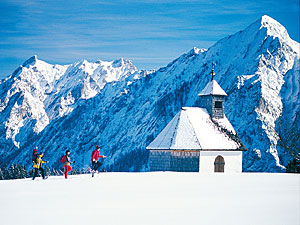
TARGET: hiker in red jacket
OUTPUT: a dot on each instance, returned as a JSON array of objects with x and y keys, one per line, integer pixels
[
  {"x": 66, "y": 160},
  {"x": 95, "y": 157}
]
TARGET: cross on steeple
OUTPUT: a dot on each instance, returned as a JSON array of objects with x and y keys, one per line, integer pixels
[{"x": 212, "y": 73}]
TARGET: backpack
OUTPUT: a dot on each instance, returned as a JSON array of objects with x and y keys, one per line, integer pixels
[
  {"x": 34, "y": 158},
  {"x": 63, "y": 159}
]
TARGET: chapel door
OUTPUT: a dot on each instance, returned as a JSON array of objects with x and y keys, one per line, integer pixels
[{"x": 219, "y": 164}]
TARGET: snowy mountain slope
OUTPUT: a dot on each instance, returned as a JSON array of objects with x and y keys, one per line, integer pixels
[
  {"x": 123, "y": 109},
  {"x": 153, "y": 198},
  {"x": 45, "y": 92}
]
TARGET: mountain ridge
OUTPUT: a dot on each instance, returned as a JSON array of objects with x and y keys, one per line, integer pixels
[{"x": 126, "y": 111}]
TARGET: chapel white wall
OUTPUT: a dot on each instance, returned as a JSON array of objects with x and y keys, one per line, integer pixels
[{"x": 233, "y": 161}]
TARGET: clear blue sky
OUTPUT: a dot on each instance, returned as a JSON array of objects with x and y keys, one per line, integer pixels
[{"x": 149, "y": 32}]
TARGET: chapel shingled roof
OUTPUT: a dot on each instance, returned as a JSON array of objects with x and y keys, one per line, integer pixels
[{"x": 193, "y": 129}]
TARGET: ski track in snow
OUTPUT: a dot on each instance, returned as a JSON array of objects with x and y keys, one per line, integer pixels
[{"x": 153, "y": 198}]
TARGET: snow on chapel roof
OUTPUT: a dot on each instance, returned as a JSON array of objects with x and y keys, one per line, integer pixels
[
  {"x": 212, "y": 88},
  {"x": 193, "y": 129}
]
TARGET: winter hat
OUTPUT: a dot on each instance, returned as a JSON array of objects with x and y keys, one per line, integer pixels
[
  {"x": 67, "y": 151},
  {"x": 97, "y": 147}
]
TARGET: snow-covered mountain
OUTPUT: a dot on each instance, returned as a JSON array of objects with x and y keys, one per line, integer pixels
[{"x": 114, "y": 105}]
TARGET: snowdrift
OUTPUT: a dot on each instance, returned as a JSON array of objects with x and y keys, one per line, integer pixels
[{"x": 153, "y": 198}]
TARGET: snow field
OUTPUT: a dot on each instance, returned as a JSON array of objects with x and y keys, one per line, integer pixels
[{"x": 153, "y": 198}]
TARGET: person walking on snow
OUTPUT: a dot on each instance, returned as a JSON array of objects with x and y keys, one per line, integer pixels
[
  {"x": 67, "y": 163},
  {"x": 38, "y": 161},
  {"x": 95, "y": 157}
]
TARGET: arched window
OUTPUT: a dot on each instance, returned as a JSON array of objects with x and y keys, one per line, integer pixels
[{"x": 219, "y": 164}]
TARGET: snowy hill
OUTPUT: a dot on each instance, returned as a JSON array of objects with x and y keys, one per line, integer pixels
[
  {"x": 122, "y": 109},
  {"x": 153, "y": 198}
]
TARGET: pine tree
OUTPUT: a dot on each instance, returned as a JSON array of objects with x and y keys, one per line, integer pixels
[
  {"x": 85, "y": 171},
  {"x": 47, "y": 171},
  {"x": 30, "y": 173},
  {"x": 25, "y": 173},
  {"x": 1, "y": 175},
  {"x": 289, "y": 140},
  {"x": 54, "y": 172},
  {"x": 61, "y": 172},
  {"x": 21, "y": 171},
  {"x": 57, "y": 173},
  {"x": 18, "y": 171},
  {"x": 5, "y": 172},
  {"x": 11, "y": 172},
  {"x": 294, "y": 165}
]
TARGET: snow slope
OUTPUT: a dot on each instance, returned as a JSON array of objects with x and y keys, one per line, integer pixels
[
  {"x": 114, "y": 105},
  {"x": 153, "y": 198}
]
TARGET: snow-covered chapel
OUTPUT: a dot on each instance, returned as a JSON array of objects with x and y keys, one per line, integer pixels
[{"x": 199, "y": 139}]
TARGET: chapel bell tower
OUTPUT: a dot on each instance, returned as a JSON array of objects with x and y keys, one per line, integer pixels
[{"x": 212, "y": 97}]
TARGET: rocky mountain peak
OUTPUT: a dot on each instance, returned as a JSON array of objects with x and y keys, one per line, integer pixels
[{"x": 32, "y": 60}]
